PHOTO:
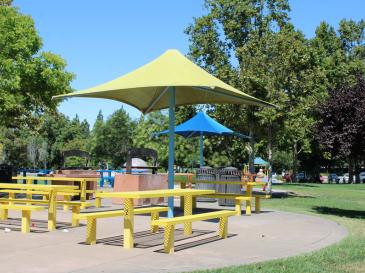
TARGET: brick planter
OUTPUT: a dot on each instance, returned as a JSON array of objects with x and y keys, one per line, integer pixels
[{"x": 142, "y": 182}]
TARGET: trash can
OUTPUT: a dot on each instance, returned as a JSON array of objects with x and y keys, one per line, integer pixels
[
  {"x": 6, "y": 172},
  {"x": 207, "y": 174},
  {"x": 229, "y": 174}
]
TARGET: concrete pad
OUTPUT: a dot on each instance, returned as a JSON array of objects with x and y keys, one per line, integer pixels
[{"x": 259, "y": 237}]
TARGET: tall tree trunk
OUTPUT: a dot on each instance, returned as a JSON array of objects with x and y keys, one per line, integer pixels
[
  {"x": 350, "y": 169},
  {"x": 295, "y": 161},
  {"x": 251, "y": 156},
  {"x": 269, "y": 149},
  {"x": 357, "y": 172}
]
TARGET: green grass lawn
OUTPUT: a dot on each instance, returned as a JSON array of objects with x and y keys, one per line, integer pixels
[{"x": 344, "y": 204}]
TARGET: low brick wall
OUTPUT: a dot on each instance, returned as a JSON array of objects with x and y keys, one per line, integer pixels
[{"x": 140, "y": 182}]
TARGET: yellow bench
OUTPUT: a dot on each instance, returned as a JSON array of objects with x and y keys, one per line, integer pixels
[
  {"x": 67, "y": 195},
  {"x": 26, "y": 212},
  {"x": 239, "y": 198},
  {"x": 91, "y": 217},
  {"x": 257, "y": 200},
  {"x": 169, "y": 225},
  {"x": 75, "y": 205}
]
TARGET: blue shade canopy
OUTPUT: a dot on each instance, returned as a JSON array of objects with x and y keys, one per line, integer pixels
[
  {"x": 259, "y": 161},
  {"x": 202, "y": 124}
]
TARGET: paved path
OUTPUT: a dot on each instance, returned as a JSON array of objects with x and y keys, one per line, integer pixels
[{"x": 269, "y": 235}]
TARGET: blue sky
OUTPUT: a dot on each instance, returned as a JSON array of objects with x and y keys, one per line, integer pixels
[{"x": 102, "y": 40}]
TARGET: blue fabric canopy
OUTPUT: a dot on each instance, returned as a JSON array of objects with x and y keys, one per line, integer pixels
[
  {"x": 259, "y": 161},
  {"x": 202, "y": 124}
]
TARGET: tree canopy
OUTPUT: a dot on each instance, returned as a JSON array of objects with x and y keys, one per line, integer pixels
[{"x": 29, "y": 77}]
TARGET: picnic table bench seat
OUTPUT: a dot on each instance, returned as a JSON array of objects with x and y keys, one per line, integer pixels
[
  {"x": 75, "y": 206},
  {"x": 239, "y": 198},
  {"x": 169, "y": 225},
  {"x": 26, "y": 212},
  {"x": 91, "y": 217}
]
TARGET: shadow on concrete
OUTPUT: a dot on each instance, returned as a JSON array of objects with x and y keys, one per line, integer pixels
[
  {"x": 36, "y": 225},
  {"x": 196, "y": 243},
  {"x": 359, "y": 214},
  {"x": 15, "y": 225},
  {"x": 147, "y": 239}
]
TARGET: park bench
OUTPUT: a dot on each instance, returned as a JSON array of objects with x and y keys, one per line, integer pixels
[
  {"x": 169, "y": 225},
  {"x": 91, "y": 217},
  {"x": 26, "y": 212},
  {"x": 75, "y": 206},
  {"x": 67, "y": 195},
  {"x": 239, "y": 198}
]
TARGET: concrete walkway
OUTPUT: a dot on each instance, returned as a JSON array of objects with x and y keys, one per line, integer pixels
[{"x": 266, "y": 236}]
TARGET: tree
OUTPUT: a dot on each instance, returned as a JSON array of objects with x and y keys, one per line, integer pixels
[
  {"x": 98, "y": 146},
  {"x": 117, "y": 137},
  {"x": 341, "y": 126},
  {"x": 28, "y": 77},
  {"x": 186, "y": 151},
  {"x": 216, "y": 40},
  {"x": 6, "y": 2},
  {"x": 341, "y": 53}
]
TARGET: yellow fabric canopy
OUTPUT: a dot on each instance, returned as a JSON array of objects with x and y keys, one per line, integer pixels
[{"x": 146, "y": 87}]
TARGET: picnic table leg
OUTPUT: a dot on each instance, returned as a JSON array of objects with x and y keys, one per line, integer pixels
[
  {"x": 97, "y": 202},
  {"x": 3, "y": 214},
  {"x": 154, "y": 216},
  {"x": 91, "y": 231},
  {"x": 66, "y": 198},
  {"x": 168, "y": 241},
  {"x": 75, "y": 212},
  {"x": 83, "y": 193},
  {"x": 188, "y": 210},
  {"x": 248, "y": 202},
  {"x": 238, "y": 207},
  {"x": 11, "y": 196},
  {"x": 257, "y": 204},
  {"x": 223, "y": 226},
  {"x": 25, "y": 221},
  {"x": 128, "y": 223},
  {"x": 52, "y": 211},
  {"x": 182, "y": 186},
  {"x": 29, "y": 195}
]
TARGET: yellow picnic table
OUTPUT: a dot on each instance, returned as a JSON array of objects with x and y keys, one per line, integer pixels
[
  {"x": 128, "y": 198},
  {"x": 82, "y": 181},
  {"x": 52, "y": 193},
  {"x": 249, "y": 186}
]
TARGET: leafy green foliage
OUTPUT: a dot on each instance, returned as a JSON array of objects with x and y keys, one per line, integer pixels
[
  {"x": 28, "y": 77},
  {"x": 186, "y": 150},
  {"x": 43, "y": 145},
  {"x": 111, "y": 140}
]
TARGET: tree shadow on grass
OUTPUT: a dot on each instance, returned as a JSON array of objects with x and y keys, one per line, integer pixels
[
  {"x": 301, "y": 185},
  {"x": 359, "y": 214}
]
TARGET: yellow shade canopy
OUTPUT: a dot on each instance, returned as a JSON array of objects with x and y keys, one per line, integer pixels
[{"x": 146, "y": 87}]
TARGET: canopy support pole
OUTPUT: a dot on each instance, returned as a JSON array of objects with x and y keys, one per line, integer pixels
[
  {"x": 171, "y": 149},
  {"x": 201, "y": 144}
]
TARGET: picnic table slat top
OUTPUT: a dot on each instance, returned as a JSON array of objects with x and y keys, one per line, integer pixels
[
  {"x": 55, "y": 178},
  {"x": 36, "y": 186},
  {"x": 154, "y": 193},
  {"x": 226, "y": 182}
]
